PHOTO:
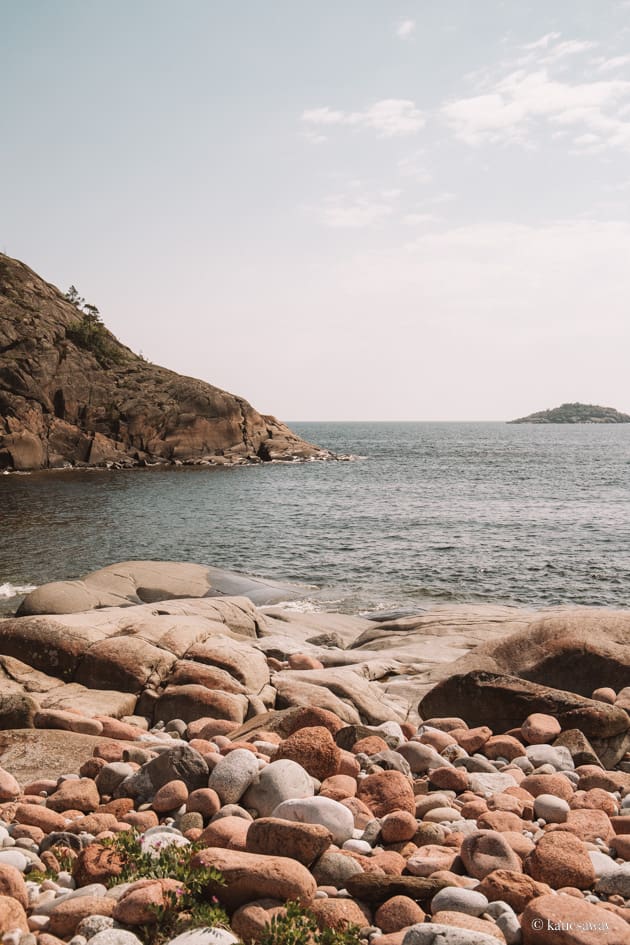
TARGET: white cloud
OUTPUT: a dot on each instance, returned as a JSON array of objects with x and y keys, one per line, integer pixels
[
  {"x": 571, "y": 47},
  {"x": 543, "y": 42},
  {"x": 406, "y": 29},
  {"x": 357, "y": 208},
  {"x": 615, "y": 62},
  {"x": 389, "y": 117},
  {"x": 509, "y": 110}
]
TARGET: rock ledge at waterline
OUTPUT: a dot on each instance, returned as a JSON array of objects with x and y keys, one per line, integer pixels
[{"x": 72, "y": 395}]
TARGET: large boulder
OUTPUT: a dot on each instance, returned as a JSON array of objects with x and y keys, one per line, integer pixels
[
  {"x": 251, "y": 876},
  {"x": 504, "y": 702},
  {"x": 577, "y": 650}
]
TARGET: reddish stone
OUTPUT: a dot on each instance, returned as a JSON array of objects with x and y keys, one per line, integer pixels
[
  {"x": 561, "y": 859},
  {"x": 512, "y": 887},
  {"x": 65, "y": 917},
  {"x": 387, "y": 791},
  {"x": 110, "y": 751},
  {"x": 339, "y": 913},
  {"x": 360, "y": 811},
  {"x": 484, "y": 851},
  {"x": 398, "y": 827},
  {"x": 595, "y": 799},
  {"x": 251, "y": 876},
  {"x": 436, "y": 739},
  {"x": 504, "y": 746},
  {"x": 314, "y": 749},
  {"x": 540, "y": 729},
  {"x": 96, "y": 864},
  {"x": 472, "y": 740},
  {"x": 170, "y": 796},
  {"x": 141, "y": 820},
  {"x": 500, "y": 820},
  {"x": 555, "y": 784},
  {"x": 12, "y": 915},
  {"x": 447, "y": 778},
  {"x": 229, "y": 833},
  {"x": 141, "y": 902},
  {"x": 114, "y": 728},
  {"x": 371, "y": 745},
  {"x": 37, "y": 816},
  {"x": 272, "y": 836},
  {"x": 204, "y": 801},
  {"x": 12, "y": 884},
  {"x": 338, "y": 786},
  {"x": 309, "y": 716},
  {"x": 565, "y": 920},
  {"x": 92, "y": 823}
]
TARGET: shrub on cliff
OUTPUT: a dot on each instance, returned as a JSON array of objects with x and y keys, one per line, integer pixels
[{"x": 91, "y": 334}]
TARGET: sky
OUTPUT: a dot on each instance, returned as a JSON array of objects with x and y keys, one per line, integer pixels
[{"x": 342, "y": 210}]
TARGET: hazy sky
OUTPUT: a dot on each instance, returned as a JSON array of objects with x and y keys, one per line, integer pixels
[{"x": 341, "y": 209}]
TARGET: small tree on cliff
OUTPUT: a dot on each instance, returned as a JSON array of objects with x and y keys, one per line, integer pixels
[{"x": 91, "y": 334}]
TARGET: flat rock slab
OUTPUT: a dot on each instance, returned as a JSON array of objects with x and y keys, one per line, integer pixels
[
  {"x": 30, "y": 754},
  {"x": 146, "y": 582}
]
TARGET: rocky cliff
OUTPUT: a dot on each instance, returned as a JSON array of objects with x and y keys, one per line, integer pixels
[{"x": 72, "y": 394}]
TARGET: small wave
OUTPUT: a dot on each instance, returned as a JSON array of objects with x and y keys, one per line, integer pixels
[
  {"x": 15, "y": 590},
  {"x": 298, "y": 606}
]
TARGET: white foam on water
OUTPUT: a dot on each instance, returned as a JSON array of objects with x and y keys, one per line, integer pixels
[{"x": 8, "y": 590}]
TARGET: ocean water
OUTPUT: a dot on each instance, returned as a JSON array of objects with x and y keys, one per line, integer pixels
[{"x": 428, "y": 512}]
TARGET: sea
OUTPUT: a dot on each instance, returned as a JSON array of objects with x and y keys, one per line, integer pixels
[{"x": 423, "y": 513}]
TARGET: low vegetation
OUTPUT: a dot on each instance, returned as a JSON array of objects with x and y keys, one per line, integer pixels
[
  {"x": 299, "y": 927},
  {"x": 186, "y": 907},
  {"x": 90, "y": 333}
]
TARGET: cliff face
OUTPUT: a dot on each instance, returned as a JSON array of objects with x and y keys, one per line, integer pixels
[{"x": 71, "y": 393}]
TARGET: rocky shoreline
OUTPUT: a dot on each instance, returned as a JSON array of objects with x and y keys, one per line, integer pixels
[{"x": 182, "y": 761}]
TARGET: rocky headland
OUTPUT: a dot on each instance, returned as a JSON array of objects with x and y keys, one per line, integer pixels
[
  {"x": 179, "y": 763},
  {"x": 576, "y": 413},
  {"x": 72, "y": 395}
]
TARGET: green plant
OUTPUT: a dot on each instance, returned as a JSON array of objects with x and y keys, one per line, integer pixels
[
  {"x": 299, "y": 927},
  {"x": 185, "y": 907},
  {"x": 91, "y": 334}
]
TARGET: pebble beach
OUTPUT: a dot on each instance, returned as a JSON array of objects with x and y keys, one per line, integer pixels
[{"x": 374, "y": 820}]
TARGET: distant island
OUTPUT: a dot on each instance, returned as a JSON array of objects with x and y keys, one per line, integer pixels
[{"x": 576, "y": 413}]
